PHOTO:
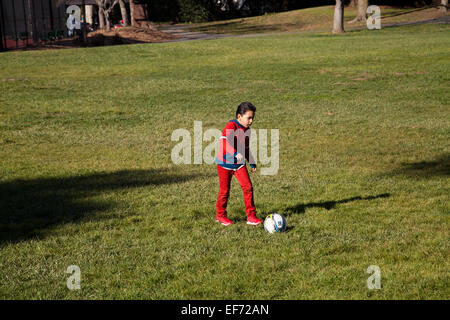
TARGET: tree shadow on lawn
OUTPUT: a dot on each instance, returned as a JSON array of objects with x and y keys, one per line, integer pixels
[
  {"x": 28, "y": 207},
  {"x": 400, "y": 12},
  {"x": 426, "y": 169},
  {"x": 301, "y": 207}
]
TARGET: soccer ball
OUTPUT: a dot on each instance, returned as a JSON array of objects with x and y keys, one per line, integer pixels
[{"x": 275, "y": 223}]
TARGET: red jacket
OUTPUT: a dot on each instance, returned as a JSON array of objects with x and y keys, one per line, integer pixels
[{"x": 235, "y": 139}]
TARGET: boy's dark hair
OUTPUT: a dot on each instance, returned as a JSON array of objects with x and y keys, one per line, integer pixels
[{"x": 244, "y": 107}]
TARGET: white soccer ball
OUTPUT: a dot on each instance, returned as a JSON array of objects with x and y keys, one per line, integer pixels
[{"x": 275, "y": 223}]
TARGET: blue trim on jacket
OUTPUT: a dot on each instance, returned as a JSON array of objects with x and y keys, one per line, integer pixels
[{"x": 237, "y": 122}]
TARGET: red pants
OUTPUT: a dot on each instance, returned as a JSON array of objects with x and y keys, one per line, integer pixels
[{"x": 224, "y": 191}]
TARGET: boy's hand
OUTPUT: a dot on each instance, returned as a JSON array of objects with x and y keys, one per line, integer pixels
[
  {"x": 254, "y": 170},
  {"x": 239, "y": 157}
]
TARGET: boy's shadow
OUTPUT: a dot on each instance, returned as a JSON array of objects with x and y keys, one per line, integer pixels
[{"x": 301, "y": 207}]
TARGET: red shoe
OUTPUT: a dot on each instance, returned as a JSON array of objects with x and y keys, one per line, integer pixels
[
  {"x": 253, "y": 220},
  {"x": 224, "y": 220}
]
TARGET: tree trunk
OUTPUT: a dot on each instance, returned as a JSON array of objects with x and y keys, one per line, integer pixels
[
  {"x": 362, "y": 8},
  {"x": 123, "y": 11},
  {"x": 444, "y": 5},
  {"x": 352, "y": 3},
  {"x": 133, "y": 21},
  {"x": 101, "y": 18},
  {"x": 83, "y": 26},
  {"x": 107, "y": 21},
  {"x": 338, "y": 22}
]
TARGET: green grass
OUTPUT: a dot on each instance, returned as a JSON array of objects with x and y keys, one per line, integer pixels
[
  {"x": 86, "y": 176},
  {"x": 317, "y": 19}
]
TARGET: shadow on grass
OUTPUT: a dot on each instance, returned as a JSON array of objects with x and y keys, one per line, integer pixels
[
  {"x": 426, "y": 169},
  {"x": 95, "y": 41},
  {"x": 301, "y": 207},
  {"x": 401, "y": 12},
  {"x": 111, "y": 40},
  {"x": 237, "y": 27},
  {"x": 29, "y": 207}
]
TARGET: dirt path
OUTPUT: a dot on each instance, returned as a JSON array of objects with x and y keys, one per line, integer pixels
[{"x": 183, "y": 33}]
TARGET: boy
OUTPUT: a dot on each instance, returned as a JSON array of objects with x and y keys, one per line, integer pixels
[{"x": 233, "y": 151}]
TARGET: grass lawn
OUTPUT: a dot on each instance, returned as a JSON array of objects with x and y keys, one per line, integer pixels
[
  {"x": 86, "y": 176},
  {"x": 318, "y": 19}
]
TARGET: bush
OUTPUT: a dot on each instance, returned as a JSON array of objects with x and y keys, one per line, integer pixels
[{"x": 194, "y": 10}]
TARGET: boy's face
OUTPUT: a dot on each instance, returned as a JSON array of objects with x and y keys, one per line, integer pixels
[{"x": 246, "y": 120}]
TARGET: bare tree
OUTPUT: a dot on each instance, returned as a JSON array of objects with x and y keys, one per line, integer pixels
[
  {"x": 105, "y": 7},
  {"x": 101, "y": 18},
  {"x": 338, "y": 22},
  {"x": 123, "y": 11},
  {"x": 133, "y": 20},
  {"x": 362, "y": 8}
]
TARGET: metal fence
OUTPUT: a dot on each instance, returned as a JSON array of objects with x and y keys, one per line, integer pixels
[{"x": 28, "y": 22}]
